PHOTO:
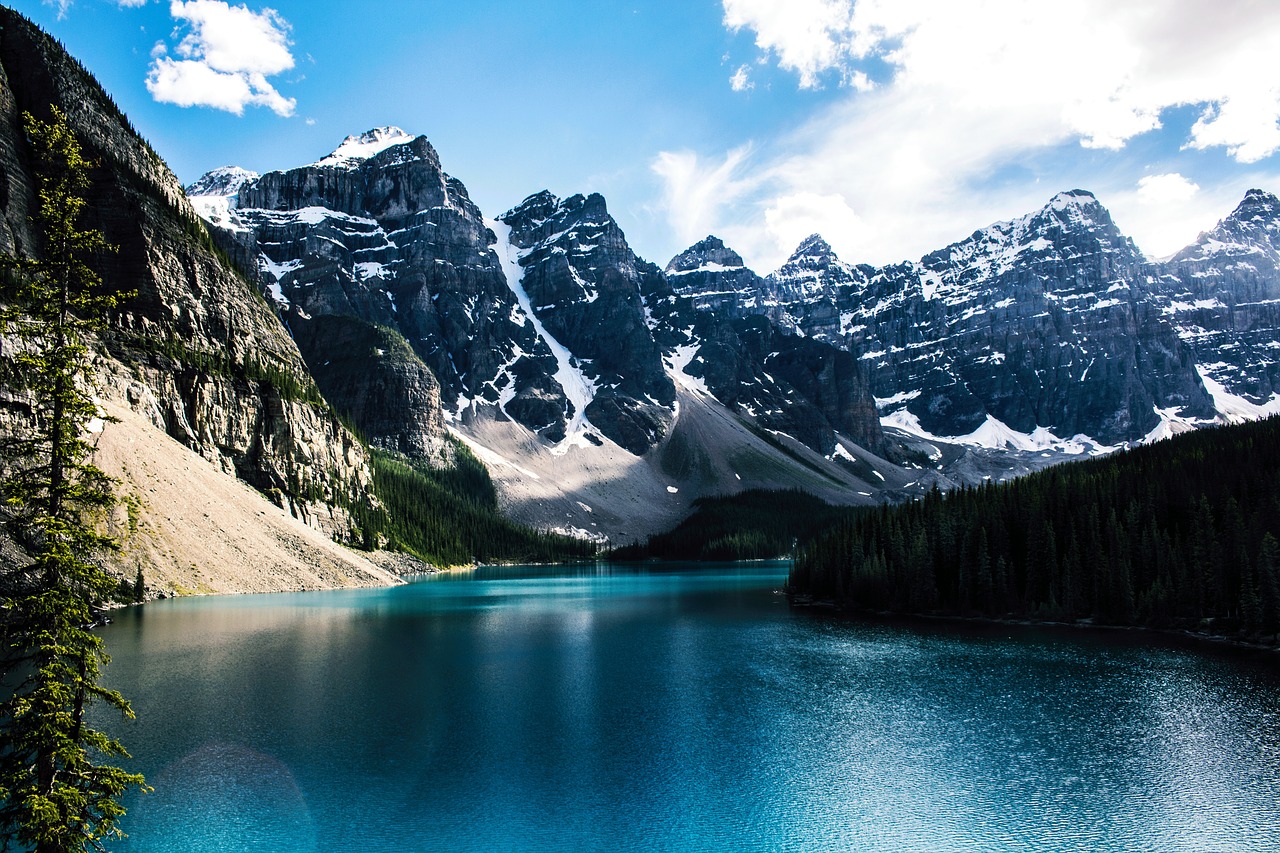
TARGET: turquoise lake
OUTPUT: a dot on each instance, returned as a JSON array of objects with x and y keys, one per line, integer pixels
[{"x": 675, "y": 708}]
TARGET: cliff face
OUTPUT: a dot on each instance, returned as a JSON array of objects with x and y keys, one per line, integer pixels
[
  {"x": 1044, "y": 321},
  {"x": 586, "y": 288},
  {"x": 378, "y": 233},
  {"x": 197, "y": 350},
  {"x": 371, "y": 375},
  {"x": 1052, "y": 322},
  {"x": 1222, "y": 294}
]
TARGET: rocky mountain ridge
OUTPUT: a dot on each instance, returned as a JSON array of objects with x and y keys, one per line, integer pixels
[
  {"x": 1051, "y": 330},
  {"x": 542, "y": 318}
]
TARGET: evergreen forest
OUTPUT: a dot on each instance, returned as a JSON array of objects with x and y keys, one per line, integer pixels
[
  {"x": 449, "y": 516},
  {"x": 756, "y": 524},
  {"x": 1184, "y": 533}
]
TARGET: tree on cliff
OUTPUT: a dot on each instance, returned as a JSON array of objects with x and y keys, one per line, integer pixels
[{"x": 57, "y": 791}]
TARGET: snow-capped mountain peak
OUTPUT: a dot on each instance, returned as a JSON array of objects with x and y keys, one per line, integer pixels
[
  {"x": 1258, "y": 214},
  {"x": 360, "y": 147},
  {"x": 215, "y": 195},
  {"x": 813, "y": 246},
  {"x": 1072, "y": 198},
  {"x": 708, "y": 254},
  {"x": 225, "y": 181},
  {"x": 1252, "y": 228}
]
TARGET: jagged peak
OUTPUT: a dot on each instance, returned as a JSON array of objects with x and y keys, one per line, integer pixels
[
  {"x": 535, "y": 208},
  {"x": 1254, "y": 224},
  {"x": 1073, "y": 210},
  {"x": 544, "y": 205},
  {"x": 223, "y": 181},
  {"x": 702, "y": 255},
  {"x": 357, "y": 148},
  {"x": 1078, "y": 207},
  {"x": 1072, "y": 198},
  {"x": 1256, "y": 204},
  {"x": 813, "y": 246},
  {"x": 592, "y": 204}
]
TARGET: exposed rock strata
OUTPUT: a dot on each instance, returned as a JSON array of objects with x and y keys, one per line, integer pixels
[{"x": 205, "y": 358}]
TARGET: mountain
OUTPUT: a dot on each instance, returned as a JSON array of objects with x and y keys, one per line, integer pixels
[
  {"x": 1047, "y": 332},
  {"x": 205, "y": 384},
  {"x": 714, "y": 277},
  {"x": 601, "y": 398},
  {"x": 376, "y": 232},
  {"x": 196, "y": 351},
  {"x": 585, "y": 287},
  {"x": 1222, "y": 295}
]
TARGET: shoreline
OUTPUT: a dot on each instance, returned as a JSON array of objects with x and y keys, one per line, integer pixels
[{"x": 1185, "y": 635}]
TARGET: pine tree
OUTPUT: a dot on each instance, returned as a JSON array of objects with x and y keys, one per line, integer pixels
[{"x": 55, "y": 795}]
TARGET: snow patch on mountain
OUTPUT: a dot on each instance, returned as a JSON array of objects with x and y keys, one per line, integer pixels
[
  {"x": 1232, "y": 408},
  {"x": 1171, "y": 423},
  {"x": 578, "y": 388},
  {"x": 356, "y": 149},
  {"x": 994, "y": 434},
  {"x": 679, "y": 360},
  {"x": 218, "y": 210}
]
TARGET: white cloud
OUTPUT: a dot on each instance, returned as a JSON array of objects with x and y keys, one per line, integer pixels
[
  {"x": 1170, "y": 188},
  {"x": 741, "y": 80},
  {"x": 790, "y": 219},
  {"x": 1100, "y": 71},
  {"x": 131, "y": 4},
  {"x": 225, "y": 59},
  {"x": 806, "y": 35},
  {"x": 968, "y": 92},
  {"x": 696, "y": 192}
]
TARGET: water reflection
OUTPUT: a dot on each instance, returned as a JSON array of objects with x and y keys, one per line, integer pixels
[{"x": 680, "y": 708}]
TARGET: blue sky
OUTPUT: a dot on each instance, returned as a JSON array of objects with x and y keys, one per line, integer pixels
[{"x": 890, "y": 126}]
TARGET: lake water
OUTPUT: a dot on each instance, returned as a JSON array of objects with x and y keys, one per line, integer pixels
[{"x": 681, "y": 708}]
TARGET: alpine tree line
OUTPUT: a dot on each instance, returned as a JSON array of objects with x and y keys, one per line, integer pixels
[
  {"x": 450, "y": 516},
  {"x": 752, "y": 525},
  {"x": 1170, "y": 534}
]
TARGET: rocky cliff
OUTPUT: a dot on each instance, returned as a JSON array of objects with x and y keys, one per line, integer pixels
[
  {"x": 1052, "y": 325},
  {"x": 714, "y": 278},
  {"x": 585, "y": 287},
  {"x": 551, "y": 340},
  {"x": 378, "y": 232},
  {"x": 197, "y": 351},
  {"x": 1222, "y": 295},
  {"x": 543, "y": 315}
]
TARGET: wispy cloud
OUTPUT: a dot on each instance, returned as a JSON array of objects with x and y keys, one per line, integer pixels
[
  {"x": 696, "y": 192},
  {"x": 225, "y": 59},
  {"x": 61, "y": 5},
  {"x": 1170, "y": 188},
  {"x": 963, "y": 91}
]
